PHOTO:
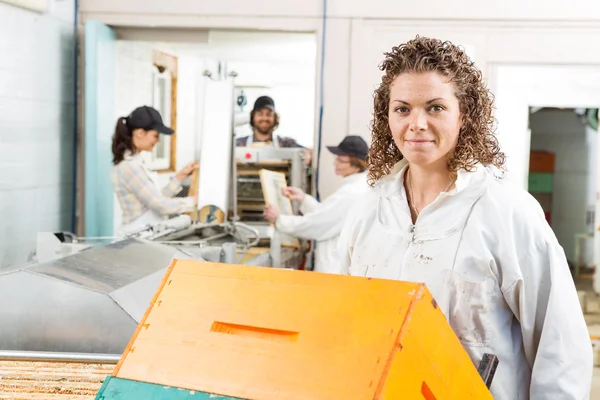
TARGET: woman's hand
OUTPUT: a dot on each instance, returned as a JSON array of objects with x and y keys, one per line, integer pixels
[
  {"x": 187, "y": 171},
  {"x": 271, "y": 213},
  {"x": 293, "y": 193}
]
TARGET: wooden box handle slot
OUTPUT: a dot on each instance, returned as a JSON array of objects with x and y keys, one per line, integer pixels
[{"x": 274, "y": 335}]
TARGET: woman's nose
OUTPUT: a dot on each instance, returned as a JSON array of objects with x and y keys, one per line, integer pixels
[{"x": 418, "y": 120}]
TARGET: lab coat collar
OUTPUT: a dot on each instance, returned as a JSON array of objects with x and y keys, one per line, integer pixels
[
  {"x": 445, "y": 216},
  {"x": 393, "y": 183},
  {"x": 354, "y": 178}
]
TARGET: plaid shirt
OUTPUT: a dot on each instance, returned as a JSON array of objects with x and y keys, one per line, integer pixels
[{"x": 138, "y": 193}]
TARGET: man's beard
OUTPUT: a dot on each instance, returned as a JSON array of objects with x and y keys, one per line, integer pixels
[{"x": 265, "y": 131}]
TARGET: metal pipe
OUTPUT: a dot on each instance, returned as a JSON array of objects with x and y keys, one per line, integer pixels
[
  {"x": 199, "y": 243},
  {"x": 12, "y": 355},
  {"x": 233, "y": 166},
  {"x": 250, "y": 229}
]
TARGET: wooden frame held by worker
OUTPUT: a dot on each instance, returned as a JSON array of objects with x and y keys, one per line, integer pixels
[{"x": 272, "y": 183}]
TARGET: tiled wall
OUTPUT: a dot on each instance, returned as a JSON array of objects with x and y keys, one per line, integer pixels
[{"x": 37, "y": 111}]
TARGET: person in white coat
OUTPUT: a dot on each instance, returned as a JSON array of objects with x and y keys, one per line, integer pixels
[
  {"x": 143, "y": 202},
  {"x": 441, "y": 213},
  {"x": 323, "y": 221}
]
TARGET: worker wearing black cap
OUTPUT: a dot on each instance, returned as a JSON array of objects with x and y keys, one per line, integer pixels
[
  {"x": 323, "y": 222},
  {"x": 264, "y": 120},
  {"x": 143, "y": 202}
]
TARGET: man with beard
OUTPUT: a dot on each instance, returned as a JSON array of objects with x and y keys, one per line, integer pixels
[{"x": 264, "y": 120}]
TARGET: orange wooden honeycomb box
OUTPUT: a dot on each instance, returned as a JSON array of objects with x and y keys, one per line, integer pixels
[{"x": 264, "y": 333}]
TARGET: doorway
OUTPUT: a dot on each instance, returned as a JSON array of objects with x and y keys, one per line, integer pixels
[
  {"x": 122, "y": 72},
  {"x": 520, "y": 87},
  {"x": 563, "y": 175}
]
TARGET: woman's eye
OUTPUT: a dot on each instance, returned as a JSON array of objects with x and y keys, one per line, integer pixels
[
  {"x": 437, "y": 108},
  {"x": 402, "y": 109}
]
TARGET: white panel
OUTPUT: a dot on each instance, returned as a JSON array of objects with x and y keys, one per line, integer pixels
[
  {"x": 226, "y": 22},
  {"x": 506, "y": 10},
  {"x": 188, "y": 129},
  {"x": 336, "y": 83},
  {"x": 544, "y": 44},
  {"x": 163, "y": 35},
  {"x": 522, "y": 86},
  {"x": 203, "y": 8},
  {"x": 34, "y": 5},
  {"x": 372, "y": 39},
  {"x": 61, "y": 9},
  {"x": 215, "y": 158}
]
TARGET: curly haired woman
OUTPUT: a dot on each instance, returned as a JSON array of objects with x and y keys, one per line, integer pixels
[{"x": 440, "y": 213}]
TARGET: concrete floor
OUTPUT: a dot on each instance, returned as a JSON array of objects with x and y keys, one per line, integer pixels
[
  {"x": 595, "y": 393},
  {"x": 591, "y": 309}
]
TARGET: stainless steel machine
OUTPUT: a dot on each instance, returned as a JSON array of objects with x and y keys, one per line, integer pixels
[
  {"x": 248, "y": 200},
  {"x": 86, "y": 296},
  {"x": 86, "y": 302}
]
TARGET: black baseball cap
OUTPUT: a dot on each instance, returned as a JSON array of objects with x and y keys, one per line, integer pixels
[
  {"x": 148, "y": 118},
  {"x": 354, "y": 146},
  {"x": 264, "y": 102}
]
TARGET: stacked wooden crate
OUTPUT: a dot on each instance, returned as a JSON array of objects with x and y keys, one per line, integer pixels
[
  {"x": 541, "y": 179},
  {"x": 219, "y": 331}
]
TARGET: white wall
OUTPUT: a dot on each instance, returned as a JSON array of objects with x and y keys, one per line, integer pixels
[
  {"x": 519, "y": 87},
  {"x": 133, "y": 88},
  {"x": 499, "y": 35},
  {"x": 134, "y": 84},
  {"x": 533, "y": 10},
  {"x": 281, "y": 65},
  {"x": 563, "y": 133},
  {"x": 34, "y": 5},
  {"x": 36, "y": 127}
]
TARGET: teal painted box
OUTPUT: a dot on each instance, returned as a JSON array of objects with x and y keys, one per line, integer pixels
[
  {"x": 125, "y": 389},
  {"x": 540, "y": 182}
]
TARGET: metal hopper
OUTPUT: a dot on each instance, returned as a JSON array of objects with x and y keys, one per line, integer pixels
[{"x": 88, "y": 302}]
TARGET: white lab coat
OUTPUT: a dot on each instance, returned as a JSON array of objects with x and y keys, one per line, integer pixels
[
  {"x": 496, "y": 269},
  {"x": 323, "y": 221}
]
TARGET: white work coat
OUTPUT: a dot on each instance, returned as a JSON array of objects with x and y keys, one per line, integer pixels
[
  {"x": 496, "y": 269},
  {"x": 323, "y": 221}
]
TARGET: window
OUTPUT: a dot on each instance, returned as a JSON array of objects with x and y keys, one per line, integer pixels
[{"x": 161, "y": 100}]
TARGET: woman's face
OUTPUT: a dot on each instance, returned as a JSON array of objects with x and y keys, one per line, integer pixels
[
  {"x": 343, "y": 167},
  {"x": 145, "y": 140},
  {"x": 424, "y": 118}
]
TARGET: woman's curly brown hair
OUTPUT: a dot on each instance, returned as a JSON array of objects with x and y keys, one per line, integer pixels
[{"x": 476, "y": 141}]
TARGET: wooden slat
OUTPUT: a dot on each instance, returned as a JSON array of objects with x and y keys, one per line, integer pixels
[{"x": 49, "y": 380}]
